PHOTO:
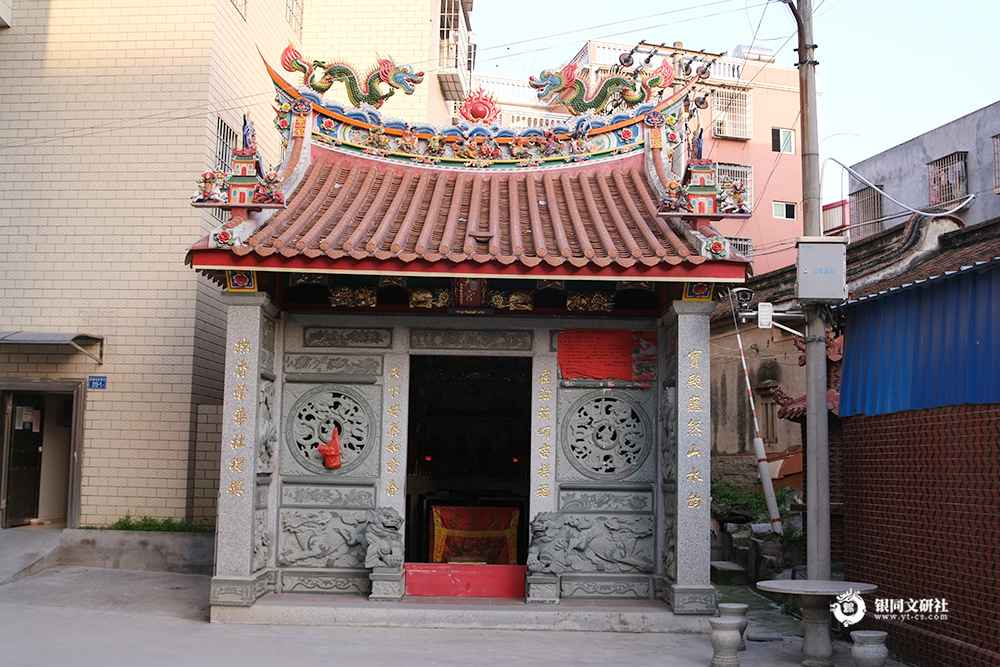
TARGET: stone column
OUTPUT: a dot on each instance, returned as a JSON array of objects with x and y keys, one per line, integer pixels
[
  {"x": 388, "y": 582},
  {"x": 692, "y": 591},
  {"x": 234, "y": 582},
  {"x": 543, "y": 587}
]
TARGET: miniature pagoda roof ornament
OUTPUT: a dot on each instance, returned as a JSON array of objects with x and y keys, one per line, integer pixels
[{"x": 319, "y": 76}]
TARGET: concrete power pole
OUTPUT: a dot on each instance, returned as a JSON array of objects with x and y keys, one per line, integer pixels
[{"x": 817, "y": 433}]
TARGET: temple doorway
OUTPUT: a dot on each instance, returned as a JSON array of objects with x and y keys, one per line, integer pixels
[{"x": 468, "y": 460}]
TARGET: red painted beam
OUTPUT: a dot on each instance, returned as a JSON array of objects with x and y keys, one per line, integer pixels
[{"x": 730, "y": 272}]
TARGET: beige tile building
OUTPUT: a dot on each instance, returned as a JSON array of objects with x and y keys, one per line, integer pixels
[{"x": 109, "y": 108}]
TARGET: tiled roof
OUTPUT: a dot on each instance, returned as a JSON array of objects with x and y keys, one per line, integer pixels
[
  {"x": 962, "y": 249},
  {"x": 584, "y": 219}
]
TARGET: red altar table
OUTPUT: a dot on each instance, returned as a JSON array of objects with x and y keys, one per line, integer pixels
[{"x": 474, "y": 535}]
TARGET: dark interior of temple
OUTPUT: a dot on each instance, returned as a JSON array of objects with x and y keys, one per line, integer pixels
[{"x": 469, "y": 450}]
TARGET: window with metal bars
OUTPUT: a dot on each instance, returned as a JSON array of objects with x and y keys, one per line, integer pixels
[
  {"x": 996, "y": 164},
  {"x": 946, "y": 179},
  {"x": 866, "y": 207},
  {"x": 293, "y": 14},
  {"x": 225, "y": 142},
  {"x": 768, "y": 418},
  {"x": 731, "y": 114},
  {"x": 737, "y": 173}
]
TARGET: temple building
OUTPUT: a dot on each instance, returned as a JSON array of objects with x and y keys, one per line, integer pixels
[{"x": 469, "y": 359}]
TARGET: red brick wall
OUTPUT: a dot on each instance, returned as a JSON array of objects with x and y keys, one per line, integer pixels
[{"x": 922, "y": 520}]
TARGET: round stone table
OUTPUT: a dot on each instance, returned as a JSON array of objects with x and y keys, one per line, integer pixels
[{"x": 817, "y": 646}]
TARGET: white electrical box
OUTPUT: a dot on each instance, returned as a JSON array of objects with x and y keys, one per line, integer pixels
[{"x": 821, "y": 275}]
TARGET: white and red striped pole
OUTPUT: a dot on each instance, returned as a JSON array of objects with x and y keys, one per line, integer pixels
[{"x": 758, "y": 442}]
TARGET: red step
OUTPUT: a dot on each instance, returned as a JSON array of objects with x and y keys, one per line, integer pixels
[{"x": 462, "y": 580}]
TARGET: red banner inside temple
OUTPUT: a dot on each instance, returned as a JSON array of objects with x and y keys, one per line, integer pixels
[{"x": 474, "y": 535}]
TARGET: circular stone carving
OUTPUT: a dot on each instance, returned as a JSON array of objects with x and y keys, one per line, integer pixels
[
  {"x": 311, "y": 424},
  {"x": 606, "y": 436}
]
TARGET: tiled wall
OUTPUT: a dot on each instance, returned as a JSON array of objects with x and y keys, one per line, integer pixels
[
  {"x": 922, "y": 510},
  {"x": 108, "y": 115}
]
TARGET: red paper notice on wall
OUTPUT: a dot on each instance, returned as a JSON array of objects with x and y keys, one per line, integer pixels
[{"x": 598, "y": 354}]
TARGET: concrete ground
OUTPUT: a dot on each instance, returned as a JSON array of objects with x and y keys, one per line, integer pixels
[{"x": 90, "y": 616}]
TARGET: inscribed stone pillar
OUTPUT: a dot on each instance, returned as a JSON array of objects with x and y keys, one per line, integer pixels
[
  {"x": 543, "y": 588},
  {"x": 544, "y": 376},
  {"x": 692, "y": 591},
  {"x": 234, "y": 583}
]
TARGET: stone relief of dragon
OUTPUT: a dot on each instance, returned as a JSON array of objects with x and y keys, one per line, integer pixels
[
  {"x": 563, "y": 87},
  {"x": 320, "y": 76}
]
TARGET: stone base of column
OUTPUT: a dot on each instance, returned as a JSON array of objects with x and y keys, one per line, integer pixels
[
  {"x": 541, "y": 589},
  {"x": 388, "y": 584},
  {"x": 692, "y": 599},
  {"x": 241, "y": 591}
]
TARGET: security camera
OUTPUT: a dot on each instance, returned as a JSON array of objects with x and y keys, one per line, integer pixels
[{"x": 743, "y": 295}]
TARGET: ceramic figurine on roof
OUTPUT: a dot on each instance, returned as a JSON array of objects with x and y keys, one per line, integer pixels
[
  {"x": 732, "y": 199},
  {"x": 320, "y": 76},
  {"x": 210, "y": 188},
  {"x": 564, "y": 88}
]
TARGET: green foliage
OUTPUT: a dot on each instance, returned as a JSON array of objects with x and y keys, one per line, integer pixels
[
  {"x": 159, "y": 525},
  {"x": 728, "y": 498}
]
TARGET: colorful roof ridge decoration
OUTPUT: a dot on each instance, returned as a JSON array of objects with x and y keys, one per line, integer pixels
[
  {"x": 380, "y": 196},
  {"x": 563, "y": 88},
  {"x": 319, "y": 76},
  {"x": 480, "y": 107}
]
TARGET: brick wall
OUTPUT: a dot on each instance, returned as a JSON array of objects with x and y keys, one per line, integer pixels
[
  {"x": 205, "y": 490},
  {"x": 108, "y": 116},
  {"x": 922, "y": 510}
]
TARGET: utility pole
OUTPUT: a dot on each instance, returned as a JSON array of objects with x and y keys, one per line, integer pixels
[{"x": 817, "y": 432}]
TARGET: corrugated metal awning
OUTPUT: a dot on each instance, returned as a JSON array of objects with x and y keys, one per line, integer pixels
[{"x": 77, "y": 340}]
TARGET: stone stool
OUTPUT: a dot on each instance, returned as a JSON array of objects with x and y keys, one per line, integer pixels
[
  {"x": 869, "y": 648},
  {"x": 725, "y": 638},
  {"x": 736, "y": 610}
]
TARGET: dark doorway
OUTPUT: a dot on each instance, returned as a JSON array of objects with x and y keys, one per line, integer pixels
[
  {"x": 468, "y": 455},
  {"x": 36, "y": 457}
]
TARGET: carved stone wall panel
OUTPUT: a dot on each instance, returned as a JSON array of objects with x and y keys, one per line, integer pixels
[
  {"x": 267, "y": 345},
  {"x": 267, "y": 427},
  {"x": 346, "y": 582},
  {"x": 344, "y": 337},
  {"x": 489, "y": 339},
  {"x": 261, "y": 491},
  {"x": 338, "y": 364},
  {"x": 261, "y": 540},
  {"x": 605, "y": 501},
  {"x": 322, "y": 538},
  {"x": 591, "y": 587},
  {"x": 609, "y": 543},
  {"x": 311, "y": 414},
  {"x": 328, "y": 496},
  {"x": 606, "y": 435}
]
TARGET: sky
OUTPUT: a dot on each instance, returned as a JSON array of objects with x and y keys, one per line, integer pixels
[{"x": 888, "y": 70}]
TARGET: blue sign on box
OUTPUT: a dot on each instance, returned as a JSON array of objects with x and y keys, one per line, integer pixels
[{"x": 97, "y": 382}]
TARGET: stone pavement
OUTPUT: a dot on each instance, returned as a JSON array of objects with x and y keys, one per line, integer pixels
[
  {"x": 27, "y": 550},
  {"x": 89, "y": 616}
]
